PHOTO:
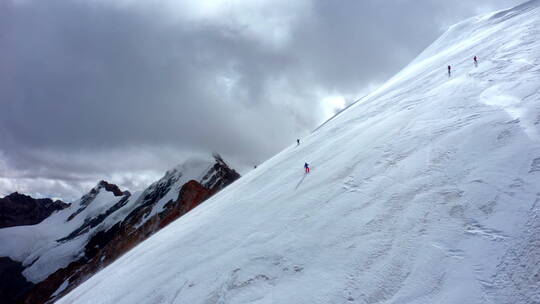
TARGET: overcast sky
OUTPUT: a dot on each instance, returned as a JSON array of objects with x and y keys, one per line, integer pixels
[{"x": 124, "y": 90}]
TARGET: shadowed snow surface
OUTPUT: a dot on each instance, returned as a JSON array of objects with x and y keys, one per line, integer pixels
[{"x": 428, "y": 191}]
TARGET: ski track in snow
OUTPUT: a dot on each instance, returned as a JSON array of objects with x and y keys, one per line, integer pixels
[{"x": 425, "y": 191}]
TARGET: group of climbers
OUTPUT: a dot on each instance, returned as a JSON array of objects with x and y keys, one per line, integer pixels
[
  {"x": 475, "y": 60},
  {"x": 306, "y": 165}
]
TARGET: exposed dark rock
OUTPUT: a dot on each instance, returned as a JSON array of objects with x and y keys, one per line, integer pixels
[
  {"x": 112, "y": 188},
  {"x": 13, "y": 285},
  {"x": 18, "y": 209}
]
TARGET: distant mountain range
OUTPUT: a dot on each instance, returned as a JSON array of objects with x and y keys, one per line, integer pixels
[
  {"x": 18, "y": 209},
  {"x": 50, "y": 247}
]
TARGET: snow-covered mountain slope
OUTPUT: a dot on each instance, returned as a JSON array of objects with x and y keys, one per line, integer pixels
[
  {"x": 37, "y": 245},
  {"x": 72, "y": 244},
  {"x": 428, "y": 191}
]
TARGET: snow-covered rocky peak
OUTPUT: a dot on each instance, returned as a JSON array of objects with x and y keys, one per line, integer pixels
[
  {"x": 103, "y": 190},
  {"x": 70, "y": 245}
]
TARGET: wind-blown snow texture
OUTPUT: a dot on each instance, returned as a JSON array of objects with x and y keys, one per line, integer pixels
[{"x": 428, "y": 191}]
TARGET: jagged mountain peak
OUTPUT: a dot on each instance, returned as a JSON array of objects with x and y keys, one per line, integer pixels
[
  {"x": 17, "y": 196},
  {"x": 112, "y": 188},
  {"x": 20, "y": 209},
  {"x": 102, "y": 184},
  {"x": 201, "y": 170},
  {"x": 102, "y": 188},
  {"x": 104, "y": 223}
]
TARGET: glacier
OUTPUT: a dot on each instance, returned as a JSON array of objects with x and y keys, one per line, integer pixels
[{"x": 425, "y": 191}]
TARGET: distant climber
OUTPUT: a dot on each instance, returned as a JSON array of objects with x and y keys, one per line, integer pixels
[
  {"x": 306, "y": 167},
  {"x": 449, "y": 71},
  {"x": 475, "y": 61},
  {"x": 298, "y": 142}
]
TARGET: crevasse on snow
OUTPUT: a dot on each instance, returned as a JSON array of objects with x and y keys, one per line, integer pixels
[{"x": 427, "y": 191}]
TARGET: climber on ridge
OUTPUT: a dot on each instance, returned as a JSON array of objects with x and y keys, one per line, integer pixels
[
  {"x": 449, "y": 71},
  {"x": 306, "y": 167},
  {"x": 475, "y": 61}
]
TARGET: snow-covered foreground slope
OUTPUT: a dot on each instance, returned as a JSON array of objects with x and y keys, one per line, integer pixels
[{"x": 428, "y": 191}]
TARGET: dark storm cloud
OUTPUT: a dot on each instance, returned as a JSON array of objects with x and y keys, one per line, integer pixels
[{"x": 125, "y": 89}]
